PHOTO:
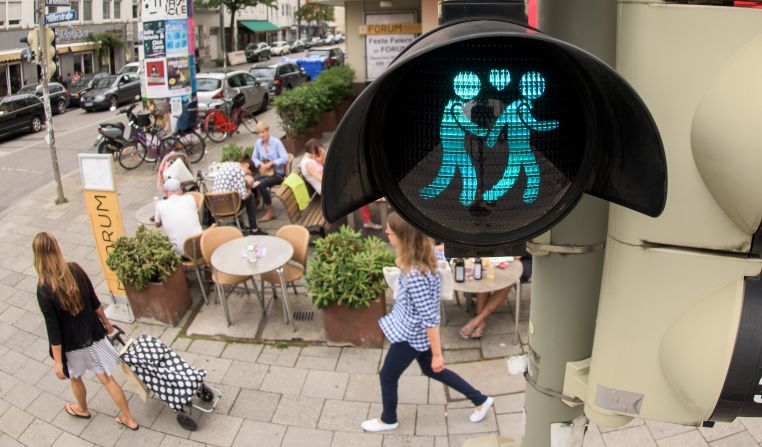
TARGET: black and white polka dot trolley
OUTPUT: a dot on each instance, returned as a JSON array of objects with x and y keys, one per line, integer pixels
[{"x": 169, "y": 377}]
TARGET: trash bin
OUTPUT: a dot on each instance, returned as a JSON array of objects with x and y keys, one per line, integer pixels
[{"x": 313, "y": 65}]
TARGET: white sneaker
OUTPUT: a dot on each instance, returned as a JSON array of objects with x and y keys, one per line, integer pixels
[
  {"x": 481, "y": 412},
  {"x": 374, "y": 425},
  {"x": 372, "y": 225}
]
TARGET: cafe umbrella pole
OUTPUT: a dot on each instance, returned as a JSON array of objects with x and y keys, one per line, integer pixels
[{"x": 50, "y": 137}]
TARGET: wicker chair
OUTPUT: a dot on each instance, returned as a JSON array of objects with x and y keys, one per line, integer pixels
[
  {"x": 225, "y": 206},
  {"x": 194, "y": 260}
]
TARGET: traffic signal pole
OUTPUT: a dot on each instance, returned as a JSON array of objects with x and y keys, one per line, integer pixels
[
  {"x": 568, "y": 261},
  {"x": 50, "y": 137}
]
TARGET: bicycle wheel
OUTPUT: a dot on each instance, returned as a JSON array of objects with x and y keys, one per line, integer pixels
[
  {"x": 130, "y": 157},
  {"x": 248, "y": 121},
  {"x": 195, "y": 144},
  {"x": 170, "y": 144},
  {"x": 211, "y": 129}
]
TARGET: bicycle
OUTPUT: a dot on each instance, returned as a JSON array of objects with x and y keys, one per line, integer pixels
[
  {"x": 149, "y": 146},
  {"x": 221, "y": 122}
]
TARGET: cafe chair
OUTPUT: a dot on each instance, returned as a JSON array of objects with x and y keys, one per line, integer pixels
[
  {"x": 211, "y": 239},
  {"x": 194, "y": 260},
  {"x": 199, "y": 198},
  {"x": 225, "y": 206},
  {"x": 299, "y": 238}
]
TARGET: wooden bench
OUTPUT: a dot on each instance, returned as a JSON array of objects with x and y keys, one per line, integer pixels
[{"x": 311, "y": 217}]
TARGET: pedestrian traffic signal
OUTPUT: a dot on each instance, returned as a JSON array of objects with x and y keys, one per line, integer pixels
[
  {"x": 50, "y": 43},
  {"x": 33, "y": 41},
  {"x": 484, "y": 133}
]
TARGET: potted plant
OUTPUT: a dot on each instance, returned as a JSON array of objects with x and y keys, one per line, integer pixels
[
  {"x": 149, "y": 269},
  {"x": 345, "y": 280}
]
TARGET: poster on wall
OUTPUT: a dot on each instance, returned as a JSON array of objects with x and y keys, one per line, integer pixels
[
  {"x": 164, "y": 9},
  {"x": 179, "y": 75},
  {"x": 176, "y": 37},
  {"x": 154, "y": 45},
  {"x": 156, "y": 77},
  {"x": 381, "y": 49}
]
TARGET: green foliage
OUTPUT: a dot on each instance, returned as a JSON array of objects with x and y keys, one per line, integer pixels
[
  {"x": 299, "y": 109},
  {"x": 234, "y": 152},
  {"x": 347, "y": 269},
  {"x": 108, "y": 40},
  {"x": 312, "y": 12},
  {"x": 147, "y": 257}
]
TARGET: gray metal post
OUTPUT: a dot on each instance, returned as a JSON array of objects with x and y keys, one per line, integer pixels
[
  {"x": 565, "y": 286},
  {"x": 223, "y": 45},
  {"x": 50, "y": 138}
]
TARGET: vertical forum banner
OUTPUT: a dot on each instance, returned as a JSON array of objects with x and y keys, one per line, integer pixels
[{"x": 168, "y": 77}]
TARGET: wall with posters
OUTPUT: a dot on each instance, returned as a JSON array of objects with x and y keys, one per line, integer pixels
[{"x": 168, "y": 77}]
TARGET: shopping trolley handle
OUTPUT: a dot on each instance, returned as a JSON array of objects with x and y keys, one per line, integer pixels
[{"x": 117, "y": 336}]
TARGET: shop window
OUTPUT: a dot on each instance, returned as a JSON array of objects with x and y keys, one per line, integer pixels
[
  {"x": 2, "y": 14},
  {"x": 87, "y": 10},
  {"x": 14, "y": 13},
  {"x": 214, "y": 31},
  {"x": 117, "y": 9},
  {"x": 87, "y": 60},
  {"x": 106, "y": 9},
  {"x": 14, "y": 76},
  {"x": 3, "y": 80}
]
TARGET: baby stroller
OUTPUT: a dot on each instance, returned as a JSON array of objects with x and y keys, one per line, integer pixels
[{"x": 167, "y": 376}]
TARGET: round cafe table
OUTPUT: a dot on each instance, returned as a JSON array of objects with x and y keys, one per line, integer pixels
[
  {"x": 503, "y": 278},
  {"x": 232, "y": 258}
]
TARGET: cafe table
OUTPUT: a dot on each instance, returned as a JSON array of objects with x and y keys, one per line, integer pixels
[
  {"x": 503, "y": 278},
  {"x": 235, "y": 258}
]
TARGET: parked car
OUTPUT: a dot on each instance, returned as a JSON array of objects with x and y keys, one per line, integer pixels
[
  {"x": 338, "y": 38},
  {"x": 315, "y": 41},
  {"x": 280, "y": 76},
  {"x": 82, "y": 86},
  {"x": 59, "y": 97},
  {"x": 329, "y": 39},
  {"x": 297, "y": 46},
  {"x": 110, "y": 91},
  {"x": 257, "y": 52},
  {"x": 335, "y": 55},
  {"x": 279, "y": 48},
  {"x": 209, "y": 89},
  {"x": 132, "y": 67},
  {"x": 21, "y": 113}
]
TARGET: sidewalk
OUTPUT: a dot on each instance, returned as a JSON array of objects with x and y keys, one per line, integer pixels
[{"x": 274, "y": 395}]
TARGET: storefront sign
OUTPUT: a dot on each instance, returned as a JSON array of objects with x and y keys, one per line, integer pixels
[
  {"x": 69, "y": 33},
  {"x": 63, "y": 16},
  {"x": 102, "y": 203},
  {"x": 389, "y": 28},
  {"x": 237, "y": 57},
  {"x": 381, "y": 44},
  {"x": 57, "y": 2}
]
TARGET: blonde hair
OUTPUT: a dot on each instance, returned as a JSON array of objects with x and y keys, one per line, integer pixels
[
  {"x": 53, "y": 271},
  {"x": 414, "y": 248},
  {"x": 262, "y": 126}
]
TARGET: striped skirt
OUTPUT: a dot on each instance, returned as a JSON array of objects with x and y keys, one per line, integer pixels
[{"x": 100, "y": 357}]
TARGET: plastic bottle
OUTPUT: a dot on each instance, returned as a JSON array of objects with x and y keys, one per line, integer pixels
[
  {"x": 460, "y": 270},
  {"x": 490, "y": 269},
  {"x": 478, "y": 269}
]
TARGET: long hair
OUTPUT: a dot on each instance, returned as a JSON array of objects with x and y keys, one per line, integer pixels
[
  {"x": 53, "y": 271},
  {"x": 312, "y": 146},
  {"x": 414, "y": 248}
]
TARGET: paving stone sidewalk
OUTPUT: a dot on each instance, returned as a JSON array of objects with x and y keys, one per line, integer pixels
[{"x": 273, "y": 395}]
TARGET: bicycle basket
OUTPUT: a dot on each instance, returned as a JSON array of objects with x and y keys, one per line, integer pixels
[
  {"x": 239, "y": 100},
  {"x": 143, "y": 119}
]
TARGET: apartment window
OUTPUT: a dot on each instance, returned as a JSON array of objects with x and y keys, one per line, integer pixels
[
  {"x": 75, "y": 7},
  {"x": 117, "y": 9},
  {"x": 14, "y": 13},
  {"x": 106, "y": 9},
  {"x": 87, "y": 10},
  {"x": 2, "y": 15}
]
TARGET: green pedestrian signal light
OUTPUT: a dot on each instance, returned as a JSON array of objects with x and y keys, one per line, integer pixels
[{"x": 484, "y": 133}]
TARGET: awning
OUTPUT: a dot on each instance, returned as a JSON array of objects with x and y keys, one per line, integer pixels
[
  {"x": 77, "y": 47},
  {"x": 10, "y": 55},
  {"x": 259, "y": 26}
]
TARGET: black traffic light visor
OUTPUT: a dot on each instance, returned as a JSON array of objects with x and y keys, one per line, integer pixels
[{"x": 590, "y": 132}]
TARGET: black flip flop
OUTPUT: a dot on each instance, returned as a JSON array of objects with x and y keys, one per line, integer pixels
[
  {"x": 120, "y": 421},
  {"x": 68, "y": 409}
]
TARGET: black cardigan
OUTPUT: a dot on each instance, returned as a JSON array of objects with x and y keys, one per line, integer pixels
[{"x": 70, "y": 331}]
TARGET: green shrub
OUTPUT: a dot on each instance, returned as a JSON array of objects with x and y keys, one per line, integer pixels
[
  {"x": 234, "y": 152},
  {"x": 299, "y": 109},
  {"x": 346, "y": 269},
  {"x": 147, "y": 257}
]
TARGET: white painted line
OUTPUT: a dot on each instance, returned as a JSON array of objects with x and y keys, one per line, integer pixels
[{"x": 5, "y": 154}]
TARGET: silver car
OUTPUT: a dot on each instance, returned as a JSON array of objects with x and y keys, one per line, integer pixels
[{"x": 209, "y": 87}]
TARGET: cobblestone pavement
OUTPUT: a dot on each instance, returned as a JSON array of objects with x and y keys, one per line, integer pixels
[{"x": 273, "y": 395}]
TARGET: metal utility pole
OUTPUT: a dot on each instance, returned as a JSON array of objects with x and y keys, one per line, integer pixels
[
  {"x": 568, "y": 261},
  {"x": 50, "y": 137},
  {"x": 223, "y": 44}
]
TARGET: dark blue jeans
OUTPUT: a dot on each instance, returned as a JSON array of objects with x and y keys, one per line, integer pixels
[
  {"x": 265, "y": 184},
  {"x": 399, "y": 357}
]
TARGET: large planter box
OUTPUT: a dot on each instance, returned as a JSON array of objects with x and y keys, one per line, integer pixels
[
  {"x": 356, "y": 327},
  {"x": 164, "y": 302}
]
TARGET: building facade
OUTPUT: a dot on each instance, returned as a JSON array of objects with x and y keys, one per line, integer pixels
[{"x": 75, "y": 51}]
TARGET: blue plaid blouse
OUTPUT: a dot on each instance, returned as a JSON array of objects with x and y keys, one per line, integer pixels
[{"x": 416, "y": 308}]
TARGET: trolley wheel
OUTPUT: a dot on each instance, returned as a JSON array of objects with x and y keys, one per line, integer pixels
[
  {"x": 205, "y": 394},
  {"x": 186, "y": 421}
]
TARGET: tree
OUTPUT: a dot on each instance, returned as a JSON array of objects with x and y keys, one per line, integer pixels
[
  {"x": 234, "y": 6},
  {"x": 108, "y": 42},
  {"x": 315, "y": 13}
]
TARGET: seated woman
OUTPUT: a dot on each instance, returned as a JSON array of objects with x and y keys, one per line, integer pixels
[
  {"x": 312, "y": 171},
  {"x": 270, "y": 158}
]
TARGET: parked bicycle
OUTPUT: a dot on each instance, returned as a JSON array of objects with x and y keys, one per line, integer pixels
[
  {"x": 225, "y": 118},
  {"x": 148, "y": 143},
  {"x": 186, "y": 132}
]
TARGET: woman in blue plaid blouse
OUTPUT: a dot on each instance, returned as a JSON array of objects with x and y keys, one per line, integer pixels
[{"x": 412, "y": 326}]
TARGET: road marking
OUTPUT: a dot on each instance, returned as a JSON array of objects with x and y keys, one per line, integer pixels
[
  {"x": 22, "y": 170},
  {"x": 5, "y": 154}
]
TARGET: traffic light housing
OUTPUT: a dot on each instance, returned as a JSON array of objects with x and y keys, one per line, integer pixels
[
  {"x": 50, "y": 43},
  {"x": 32, "y": 39},
  {"x": 677, "y": 336},
  {"x": 484, "y": 133}
]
